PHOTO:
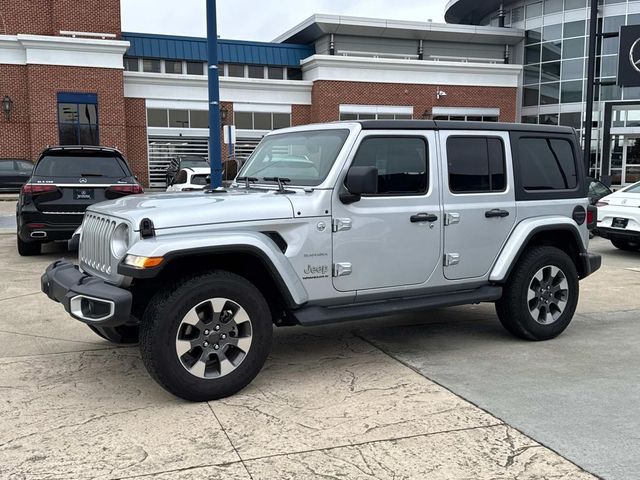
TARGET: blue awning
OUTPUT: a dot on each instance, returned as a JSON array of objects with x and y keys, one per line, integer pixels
[{"x": 229, "y": 51}]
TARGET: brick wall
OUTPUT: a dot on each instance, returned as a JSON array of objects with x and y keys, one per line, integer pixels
[
  {"x": 301, "y": 115},
  {"x": 136, "y": 134},
  {"x": 15, "y": 139},
  {"x": 48, "y": 17},
  {"x": 43, "y": 82},
  {"x": 327, "y": 96}
]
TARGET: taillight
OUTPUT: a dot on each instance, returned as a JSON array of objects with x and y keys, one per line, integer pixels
[
  {"x": 592, "y": 217},
  {"x": 602, "y": 203},
  {"x": 125, "y": 189},
  {"x": 37, "y": 189}
]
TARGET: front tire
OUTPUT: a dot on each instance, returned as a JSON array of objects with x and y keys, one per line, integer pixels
[
  {"x": 541, "y": 294},
  {"x": 206, "y": 338},
  {"x": 28, "y": 249},
  {"x": 626, "y": 245}
]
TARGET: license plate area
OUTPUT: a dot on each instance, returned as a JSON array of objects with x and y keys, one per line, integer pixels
[
  {"x": 83, "y": 194},
  {"x": 620, "y": 222}
]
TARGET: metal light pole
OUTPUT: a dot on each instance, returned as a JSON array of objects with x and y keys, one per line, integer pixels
[
  {"x": 215, "y": 153},
  {"x": 593, "y": 27}
]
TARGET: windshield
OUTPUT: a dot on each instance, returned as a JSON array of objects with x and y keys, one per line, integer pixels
[
  {"x": 200, "y": 180},
  {"x": 194, "y": 163},
  {"x": 303, "y": 157},
  {"x": 633, "y": 188},
  {"x": 77, "y": 166}
]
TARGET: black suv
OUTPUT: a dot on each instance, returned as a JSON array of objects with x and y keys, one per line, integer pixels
[
  {"x": 180, "y": 163},
  {"x": 65, "y": 181}
]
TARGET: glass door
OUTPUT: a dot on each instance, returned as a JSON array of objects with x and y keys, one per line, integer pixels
[{"x": 631, "y": 161}]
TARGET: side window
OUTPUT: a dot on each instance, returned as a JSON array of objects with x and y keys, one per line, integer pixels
[
  {"x": 402, "y": 163},
  {"x": 547, "y": 164},
  {"x": 476, "y": 164},
  {"x": 182, "y": 177}
]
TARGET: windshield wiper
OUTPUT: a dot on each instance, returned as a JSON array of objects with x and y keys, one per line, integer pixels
[
  {"x": 282, "y": 181},
  {"x": 91, "y": 175},
  {"x": 247, "y": 181}
]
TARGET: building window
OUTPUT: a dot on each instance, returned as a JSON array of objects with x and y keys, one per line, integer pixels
[
  {"x": 275, "y": 73},
  {"x": 78, "y": 119},
  {"x": 131, "y": 64},
  {"x": 294, "y": 73},
  {"x": 150, "y": 65},
  {"x": 256, "y": 71},
  {"x": 401, "y": 163},
  {"x": 173, "y": 66},
  {"x": 179, "y": 118},
  {"x": 261, "y": 120},
  {"x": 375, "y": 112},
  {"x": 195, "y": 68},
  {"x": 157, "y": 117},
  {"x": 476, "y": 164},
  {"x": 236, "y": 70},
  {"x": 198, "y": 119}
]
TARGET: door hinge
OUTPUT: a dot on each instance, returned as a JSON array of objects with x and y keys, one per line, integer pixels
[
  {"x": 451, "y": 218},
  {"x": 340, "y": 224},
  {"x": 451, "y": 259},
  {"x": 341, "y": 269}
]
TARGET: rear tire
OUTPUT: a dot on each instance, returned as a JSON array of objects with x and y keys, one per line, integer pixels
[
  {"x": 206, "y": 338},
  {"x": 122, "y": 335},
  {"x": 541, "y": 295},
  {"x": 28, "y": 249},
  {"x": 626, "y": 245}
]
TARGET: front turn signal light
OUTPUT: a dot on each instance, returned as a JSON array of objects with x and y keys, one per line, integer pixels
[{"x": 142, "y": 262}]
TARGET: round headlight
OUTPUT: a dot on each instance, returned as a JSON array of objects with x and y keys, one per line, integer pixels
[{"x": 120, "y": 241}]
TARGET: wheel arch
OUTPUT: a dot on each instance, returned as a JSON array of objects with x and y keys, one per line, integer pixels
[
  {"x": 563, "y": 235},
  {"x": 252, "y": 255}
]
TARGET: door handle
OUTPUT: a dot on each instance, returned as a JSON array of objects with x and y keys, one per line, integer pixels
[
  {"x": 496, "y": 213},
  {"x": 423, "y": 217}
]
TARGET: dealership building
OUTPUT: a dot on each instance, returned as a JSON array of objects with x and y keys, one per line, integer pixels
[{"x": 78, "y": 79}]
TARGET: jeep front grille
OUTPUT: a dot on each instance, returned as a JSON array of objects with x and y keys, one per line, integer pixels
[{"x": 95, "y": 243}]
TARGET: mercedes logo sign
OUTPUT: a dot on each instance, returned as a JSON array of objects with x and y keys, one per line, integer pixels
[
  {"x": 84, "y": 180},
  {"x": 634, "y": 55}
]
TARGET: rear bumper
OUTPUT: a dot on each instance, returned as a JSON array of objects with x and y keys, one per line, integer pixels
[
  {"x": 88, "y": 299},
  {"x": 618, "y": 234},
  {"x": 592, "y": 263},
  {"x": 41, "y": 227}
]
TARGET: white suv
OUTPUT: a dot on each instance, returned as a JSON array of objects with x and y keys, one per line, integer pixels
[{"x": 336, "y": 222}]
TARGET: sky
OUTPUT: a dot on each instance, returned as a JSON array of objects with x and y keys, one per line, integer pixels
[{"x": 262, "y": 20}]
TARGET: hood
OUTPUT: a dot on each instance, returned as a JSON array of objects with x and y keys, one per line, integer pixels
[{"x": 181, "y": 209}]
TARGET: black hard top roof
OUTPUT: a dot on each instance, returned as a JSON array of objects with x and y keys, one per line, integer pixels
[{"x": 457, "y": 125}]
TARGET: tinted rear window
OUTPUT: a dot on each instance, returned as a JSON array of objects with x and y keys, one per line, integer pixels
[
  {"x": 476, "y": 164},
  {"x": 547, "y": 164},
  {"x": 59, "y": 166}
]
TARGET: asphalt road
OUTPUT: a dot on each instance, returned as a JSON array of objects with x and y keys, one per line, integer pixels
[{"x": 578, "y": 394}]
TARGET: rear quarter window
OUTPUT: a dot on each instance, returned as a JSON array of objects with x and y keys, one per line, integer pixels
[
  {"x": 79, "y": 166},
  {"x": 547, "y": 164}
]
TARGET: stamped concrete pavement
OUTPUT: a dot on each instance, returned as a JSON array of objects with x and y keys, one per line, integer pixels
[
  {"x": 577, "y": 394},
  {"x": 328, "y": 404}
]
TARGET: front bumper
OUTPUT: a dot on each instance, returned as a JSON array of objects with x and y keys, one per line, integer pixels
[{"x": 86, "y": 298}]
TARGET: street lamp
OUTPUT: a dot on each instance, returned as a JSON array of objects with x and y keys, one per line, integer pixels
[{"x": 7, "y": 105}]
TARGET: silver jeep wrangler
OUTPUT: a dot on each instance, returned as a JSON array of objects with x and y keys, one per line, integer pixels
[{"x": 336, "y": 222}]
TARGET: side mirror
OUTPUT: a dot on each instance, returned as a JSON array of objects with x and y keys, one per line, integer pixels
[
  {"x": 360, "y": 181},
  {"x": 606, "y": 180}
]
